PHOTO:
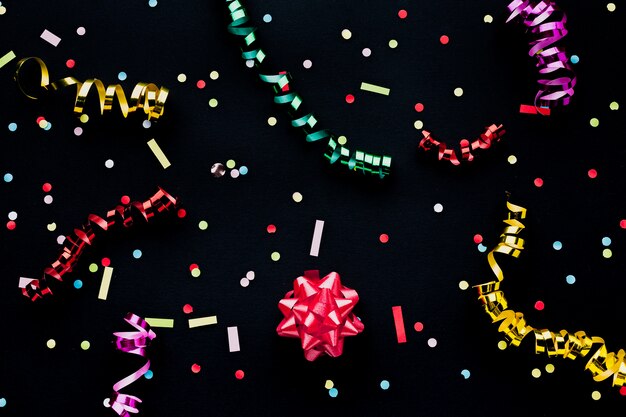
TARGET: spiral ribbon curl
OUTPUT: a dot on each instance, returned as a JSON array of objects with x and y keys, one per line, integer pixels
[
  {"x": 83, "y": 237},
  {"x": 135, "y": 343},
  {"x": 546, "y": 24},
  {"x": 602, "y": 364},
  {"x": 492, "y": 134},
  {"x": 146, "y": 96},
  {"x": 359, "y": 161}
]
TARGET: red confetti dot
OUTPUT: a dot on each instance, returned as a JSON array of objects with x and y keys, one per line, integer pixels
[
  {"x": 539, "y": 305},
  {"x": 106, "y": 262},
  {"x": 622, "y": 390},
  {"x": 125, "y": 199},
  {"x": 187, "y": 308},
  {"x": 11, "y": 225},
  {"x": 201, "y": 84},
  {"x": 195, "y": 368},
  {"x": 622, "y": 224},
  {"x": 47, "y": 187},
  {"x": 592, "y": 173},
  {"x": 40, "y": 118},
  {"x": 239, "y": 374},
  {"x": 384, "y": 238},
  {"x": 478, "y": 239},
  {"x": 538, "y": 182},
  {"x": 419, "y": 107},
  {"x": 349, "y": 99},
  {"x": 70, "y": 63},
  {"x": 271, "y": 228},
  {"x": 182, "y": 213},
  {"x": 193, "y": 266},
  {"x": 402, "y": 14},
  {"x": 418, "y": 326},
  {"x": 444, "y": 40}
]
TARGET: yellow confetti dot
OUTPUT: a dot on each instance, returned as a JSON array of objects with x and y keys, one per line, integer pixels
[
  {"x": 536, "y": 373},
  {"x": 611, "y": 8},
  {"x": 393, "y": 44},
  {"x": 93, "y": 268},
  {"x": 502, "y": 345},
  {"x": 614, "y": 105},
  {"x": 463, "y": 285},
  {"x": 272, "y": 121},
  {"x": 512, "y": 159},
  {"x": 342, "y": 140},
  {"x": 346, "y": 34},
  {"x": 458, "y": 91},
  {"x": 418, "y": 124},
  {"x": 488, "y": 18},
  {"x": 549, "y": 368},
  {"x": 203, "y": 225},
  {"x": 43, "y": 124},
  {"x": 275, "y": 256},
  {"x": 594, "y": 122},
  {"x": 607, "y": 253},
  {"x": 195, "y": 272},
  {"x": 214, "y": 75},
  {"x": 3, "y": 10},
  {"x": 596, "y": 395},
  {"x": 181, "y": 78},
  {"x": 230, "y": 164},
  {"x": 51, "y": 343},
  {"x": 52, "y": 227},
  {"x": 84, "y": 118},
  {"x": 213, "y": 102},
  {"x": 85, "y": 345},
  {"x": 297, "y": 197},
  {"x": 329, "y": 384}
]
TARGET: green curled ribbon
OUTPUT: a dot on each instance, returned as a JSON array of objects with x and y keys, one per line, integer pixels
[{"x": 357, "y": 161}]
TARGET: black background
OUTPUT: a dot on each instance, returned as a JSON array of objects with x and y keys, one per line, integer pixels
[{"x": 419, "y": 269}]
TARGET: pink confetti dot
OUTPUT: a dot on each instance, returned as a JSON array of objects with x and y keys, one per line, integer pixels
[
  {"x": 271, "y": 228},
  {"x": 201, "y": 84},
  {"x": 538, "y": 182},
  {"x": 40, "y": 119},
  {"x": 187, "y": 309},
  {"x": 47, "y": 187},
  {"x": 106, "y": 262},
  {"x": 125, "y": 199},
  {"x": 418, "y": 326},
  {"x": 182, "y": 213},
  {"x": 349, "y": 99},
  {"x": 444, "y": 39},
  {"x": 622, "y": 224},
  {"x": 539, "y": 305},
  {"x": 402, "y": 14},
  {"x": 193, "y": 266},
  {"x": 195, "y": 368},
  {"x": 239, "y": 374},
  {"x": 592, "y": 173},
  {"x": 384, "y": 238},
  {"x": 478, "y": 238},
  {"x": 419, "y": 107},
  {"x": 70, "y": 63},
  {"x": 11, "y": 225},
  {"x": 622, "y": 390}
]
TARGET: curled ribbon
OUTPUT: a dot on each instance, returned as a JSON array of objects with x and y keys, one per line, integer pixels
[
  {"x": 146, "y": 96},
  {"x": 602, "y": 364},
  {"x": 546, "y": 24},
  {"x": 492, "y": 134},
  {"x": 359, "y": 161},
  {"x": 319, "y": 312},
  {"x": 83, "y": 237},
  {"x": 136, "y": 343}
]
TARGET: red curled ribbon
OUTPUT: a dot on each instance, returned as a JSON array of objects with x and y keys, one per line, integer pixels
[
  {"x": 319, "y": 312},
  {"x": 136, "y": 343},
  {"x": 83, "y": 237},
  {"x": 492, "y": 134},
  {"x": 547, "y": 26}
]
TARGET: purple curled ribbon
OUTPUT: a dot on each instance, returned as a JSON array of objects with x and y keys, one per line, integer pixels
[
  {"x": 546, "y": 24},
  {"x": 135, "y": 343}
]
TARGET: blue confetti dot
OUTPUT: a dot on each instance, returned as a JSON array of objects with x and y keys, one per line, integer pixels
[
  {"x": 557, "y": 245},
  {"x": 481, "y": 247},
  {"x": 48, "y": 126},
  {"x": 465, "y": 373},
  {"x": 384, "y": 384},
  {"x": 3, "y": 402},
  {"x": 12, "y": 127},
  {"x": 333, "y": 392},
  {"x": 267, "y": 18},
  {"x": 574, "y": 59},
  {"x": 570, "y": 279},
  {"x": 152, "y": 3},
  {"x": 122, "y": 75},
  {"x": 137, "y": 254},
  {"x": 78, "y": 284},
  {"x": 606, "y": 241},
  {"x": 243, "y": 170},
  {"x": 8, "y": 177},
  {"x": 148, "y": 374}
]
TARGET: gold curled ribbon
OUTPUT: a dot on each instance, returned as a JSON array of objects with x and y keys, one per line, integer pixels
[
  {"x": 146, "y": 96},
  {"x": 602, "y": 364}
]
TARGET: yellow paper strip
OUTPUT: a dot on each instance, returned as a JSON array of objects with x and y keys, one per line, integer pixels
[
  {"x": 202, "y": 321},
  {"x": 106, "y": 281},
  {"x": 154, "y": 322},
  {"x": 8, "y": 57},
  {"x": 375, "y": 89},
  {"x": 156, "y": 150}
]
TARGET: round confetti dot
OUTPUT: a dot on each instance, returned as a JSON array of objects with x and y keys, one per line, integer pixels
[
  {"x": 444, "y": 39},
  {"x": 329, "y": 384},
  {"x": 606, "y": 241},
  {"x": 307, "y": 63},
  {"x": 187, "y": 309},
  {"x": 203, "y": 225},
  {"x": 432, "y": 342},
  {"x": 85, "y": 345},
  {"x": 272, "y": 121},
  {"x": 250, "y": 63},
  {"x": 592, "y": 173},
  {"x": 366, "y": 52},
  {"x": 239, "y": 374},
  {"x": 122, "y": 76},
  {"x": 70, "y": 63},
  {"x": 275, "y": 256},
  {"x": 137, "y": 253},
  {"x": 488, "y": 18},
  {"x": 384, "y": 238},
  {"x": 549, "y": 368},
  {"x": 201, "y": 84},
  {"x": 43, "y": 124},
  {"x": 78, "y": 131},
  {"x": 512, "y": 159},
  {"x": 125, "y": 199},
  {"x": 214, "y": 75},
  {"x": 244, "y": 282},
  {"x": 349, "y": 98},
  {"x": 81, "y": 31},
  {"x": 60, "y": 239},
  {"x": 234, "y": 173},
  {"x": 614, "y": 105},
  {"x": 297, "y": 197},
  {"x": 481, "y": 248},
  {"x": 267, "y": 18},
  {"x": 333, "y": 392},
  {"x": 149, "y": 374},
  {"x": 610, "y": 7},
  {"x": 271, "y": 228},
  {"x": 596, "y": 395},
  {"x": 438, "y": 208},
  {"x": 8, "y": 177},
  {"x": 250, "y": 275},
  {"x": 78, "y": 284},
  {"x": 146, "y": 124},
  {"x": 622, "y": 223},
  {"x": 51, "y": 227},
  {"x": 12, "y": 215},
  {"x": 105, "y": 262},
  {"x": 83, "y": 118},
  {"x": 51, "y": 343},
  {"x": 622, "y": 390},
  {"x": 107, "y": 403},
  {"x": 181, "y": 78},
  {"x": 195, "y": 368},
  {"x": 93, "y": 268},
  {"x": 419, "y": 107},
  {"x": 458, "y": 91},
  {"x": 230, "y": 164},
  {"x": 502, "y": 345},
  {"x": 218, "y": 170},
  {"x": 48, "y": 199},
  {"x": 536, "y": 373},
  {"x": 213, "y": 103},
  {"x": 465, "y": 373},
  {"x": 192, "y": 267},
  {"x": 539, "y": 305},
  {"x": 342, "y": 140},
  {"x": 393, "y": 44},
  {"x": 3, "y": 402},
  {"x": 570, "y": 279},
  {"x": 538, "y": 182},
  {"x": 574, "y": 59},
  {"x": 196, "y": 272},
  {"x": 109, "y": 163},
  {"x": 384, "y": 384},
  {"x": 11, "y": 225},
  {"x": 402, "y": 14},
  {"x": 3, "y": 10},
  {"x": 152, "y": 3},
  {"x": 418, "y": 326},
  {"x": 346, "y": 34},
  {"x": 12, "y": 127},
  {"x": 557, "y": 245},
  {"x": 418, "y": 124},
  {"x": 463, "y": 285},
  {"x": 478, "y": 238},
  {"x": 594, "y": 122},
  {"x": 243, "y": 170},
  {"x": 607, "y": 253}
]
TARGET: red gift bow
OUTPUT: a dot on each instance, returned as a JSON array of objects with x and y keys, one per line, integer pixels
[{"x": 319, "y": 312}]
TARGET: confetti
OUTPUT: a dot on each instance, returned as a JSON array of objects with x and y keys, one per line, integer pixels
[
  {"x": 432, "y": 342},
  {"x": 239, "y": 374},
  {"x": 317, "y": 238},
  {"x": 106, "y": 282},
  {"x": 346, "y": 34},
  {"x": 158, "y": 322},
  {"x": 418, "y": 326},
  {"x": 85, "y": 345},
  {"x": 399, "y": 323},
  {"x": 51, "y": 344},
  {"x": 6, "y": 58},
  {"x": 384, "y": 384},
  {"x": 297, "y": 197},
  {"x": 202, "y": 321},
  {"x": 233, "y": 339},
  {"x": 156, "y": 149},
  {"x": 465, "y": 373},
  {"x": 195, "y": 368},
  {"x": 375, "y": 89},
  {"x": 50, "y": 37},
  {"x": 525, "y": 108}
]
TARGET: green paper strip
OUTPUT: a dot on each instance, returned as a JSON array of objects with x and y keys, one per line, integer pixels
[{"x": 375, "y": 89}]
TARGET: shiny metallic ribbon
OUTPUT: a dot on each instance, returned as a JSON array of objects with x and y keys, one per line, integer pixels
[
  {"x": 144, "y": 96},
  {"x": 135, "y": 343},
  {"x": 602, "y": 364},
  {"x": 492, "y": 134},
  {"x": 83, "y": 237},
  {"x": 546, "y": 24},
  {"x": 319, "y": 312},
  {"x": 359, "y": 161}
]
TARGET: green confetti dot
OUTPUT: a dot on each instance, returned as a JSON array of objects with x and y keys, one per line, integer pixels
[
  {"x": 607, "y": 253},
  {"x": 195, "y": 272},
  {"x": 393, "y": 44},
  {"x": 418, "y": 124},
  {"x": 93, "y": 268},
  {"x": 549, "y": 368},
  {"x": 230, "y": 164},
  {"x": 502, "y": 345},
  {"x": 329, "y": 384},
  {"x": 536, "y": 373},
  {"x": 342, "y": 140},
  {"x": 512, "y": 159},
  {"x": 614, "y": 105},
  {"x": 203, "y": 225},
  {"x": 51, "y": 343},
  {"x": 213, "y": 102},
  {"x": 85, "y": 345},
  {"x": 275, "y": 256},
  {"x": 594, "y": 122}
]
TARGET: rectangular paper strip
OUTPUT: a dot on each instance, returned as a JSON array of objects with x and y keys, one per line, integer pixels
[
  {"x": 50, "y": 37},
  {"x": 156, "y": 150},
  {"x": 202, "y": 321},
  {"x": 8, "y": 57},
  {"x": 375, "y": 89},
  {"x": 233, "y": 339},
  {"x": 154, "y": 322},
  {"x": 317, "y": 237},
  {"x": 525, "y": 108},
  {"x": 106, "y": 281},
  {"x": 399, "y": 321}
]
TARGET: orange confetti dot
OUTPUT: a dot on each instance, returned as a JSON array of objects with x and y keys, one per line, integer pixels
[
  {"x": 402, "y": 14},
  {"x": 444, "y": 39},
  {"x": 239, "y": 374},
  {"x": 195, "y": 368},
  {"x": 349, "y": 99},
  {"x": 538, "y": 182},
  {"x": 384, "y": 238}
]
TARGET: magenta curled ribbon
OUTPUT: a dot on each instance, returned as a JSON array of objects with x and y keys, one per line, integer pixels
[
  {"x": 546, "y": 24},
  {"x": 136, "y": 343}
]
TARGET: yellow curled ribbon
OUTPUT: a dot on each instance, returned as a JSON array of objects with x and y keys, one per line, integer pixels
[
  {"x": 602, "y": 364},
  {"x": 146, "y": 96}
]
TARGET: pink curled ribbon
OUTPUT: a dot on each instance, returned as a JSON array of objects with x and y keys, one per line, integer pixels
[
  {"x": 136, "y": 343},
  {"x": 547, "y": 26}
]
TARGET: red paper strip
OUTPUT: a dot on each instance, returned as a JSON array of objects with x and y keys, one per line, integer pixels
[
  {"x": 527, "y": 109},
  {"x": 399, "y": 321}
]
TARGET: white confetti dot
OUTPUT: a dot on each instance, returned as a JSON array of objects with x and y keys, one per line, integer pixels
[
  {"x": 432, "y": 342},
  {"x": 438, "y": 208},
  {"x": 146, "y": 124},
  {"x": 366, "y": 52},
  {"x": 12, "y": 215},
  {"x": 307, "y": 64},
  {"x": 244, "y": 282},
  {"x": 60, "y": 239},
  {"x": 78, "y": 131},
  {"x": 107, "y": 402},
  {"x": 458, "y": 91},
  {"x": 234, "y": 173},
  {"x": 81, "y": 31},
  {"x": 250, "y": 63},
  {"x": 109, "y": 163},
  {"x": 250, "y": 275},
  {"x": 48, "y": 199},
  {"x": 346, "y": 34}
]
